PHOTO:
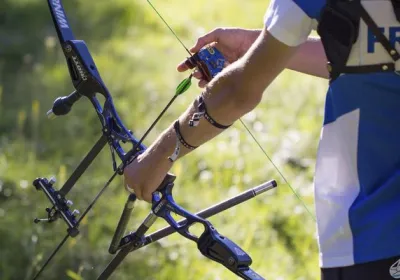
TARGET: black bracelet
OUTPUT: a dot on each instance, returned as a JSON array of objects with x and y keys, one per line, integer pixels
[
  {"x": 180, "y": 140},
  {"x": 202, "y": 112},
  {"x": 180, "y": 137}
]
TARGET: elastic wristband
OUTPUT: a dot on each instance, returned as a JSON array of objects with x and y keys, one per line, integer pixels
[{"x": 202, "y": 112}]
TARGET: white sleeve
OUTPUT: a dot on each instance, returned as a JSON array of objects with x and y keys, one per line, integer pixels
[{"x": 287, "y": 22}]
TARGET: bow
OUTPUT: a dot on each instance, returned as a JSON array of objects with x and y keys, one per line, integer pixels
[{"x": 87, "y": 82}]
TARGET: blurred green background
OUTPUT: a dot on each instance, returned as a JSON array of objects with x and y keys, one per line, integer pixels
[{"x": 137, "y": 56}]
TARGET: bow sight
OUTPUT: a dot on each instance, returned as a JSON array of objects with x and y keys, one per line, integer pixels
[{"x": 88, "y": 83}]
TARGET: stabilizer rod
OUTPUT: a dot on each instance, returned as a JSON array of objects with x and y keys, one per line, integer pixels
[{"x": 132, "y": 242}]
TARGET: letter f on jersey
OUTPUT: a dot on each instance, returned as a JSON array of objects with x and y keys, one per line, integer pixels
[{"x": 395, "y": 270}]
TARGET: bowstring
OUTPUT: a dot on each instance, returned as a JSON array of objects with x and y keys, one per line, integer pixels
[
  {"x": 169, "y": 27},
  {"x": 278, "y": 170}
]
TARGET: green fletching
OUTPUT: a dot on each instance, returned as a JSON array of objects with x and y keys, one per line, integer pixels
[{"x": 184, "y": 86}]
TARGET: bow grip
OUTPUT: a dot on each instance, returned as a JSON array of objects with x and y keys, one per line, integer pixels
[{"x": 168, "y": 179}]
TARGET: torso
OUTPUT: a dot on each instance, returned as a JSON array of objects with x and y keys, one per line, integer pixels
[{"x": 357, "y": 179}]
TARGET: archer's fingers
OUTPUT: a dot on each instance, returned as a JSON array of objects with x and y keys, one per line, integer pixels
[
  {"x": 136, "y": 191},
  {"x": 202, "y": 41},
  {"x": 202, "y": 83},
  {"x": 182, "y": 67},
  {"x": 206, "y": 39},
  {"x": 198, "y": 75},
  {"x": 147, "y": 197}
]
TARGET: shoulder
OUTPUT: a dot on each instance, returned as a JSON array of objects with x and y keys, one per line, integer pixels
[
  {"x": 291, "y": 21},
  {"x": 311, "y": 8}
]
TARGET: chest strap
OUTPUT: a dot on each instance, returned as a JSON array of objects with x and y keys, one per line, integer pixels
[{"x": 339, "y": 27}]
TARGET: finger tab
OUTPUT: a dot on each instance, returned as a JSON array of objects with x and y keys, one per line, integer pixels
[{"x": 189, "y": 63}]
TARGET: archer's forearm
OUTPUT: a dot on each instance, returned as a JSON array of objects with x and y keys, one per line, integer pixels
[{"x": 225, "y": 103}]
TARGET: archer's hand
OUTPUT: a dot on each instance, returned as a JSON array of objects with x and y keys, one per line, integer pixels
[
  {"x": 233, "y": 43},
  {"x": 144, "y": 175}
]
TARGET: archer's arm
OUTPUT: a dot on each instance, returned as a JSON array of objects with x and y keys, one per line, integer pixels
[
  {"x": 310, "y": 59},
  {"x": 234, "y": 92}
]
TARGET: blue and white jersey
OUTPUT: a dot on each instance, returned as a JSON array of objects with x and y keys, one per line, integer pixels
[{"x": 357, "y": 178}]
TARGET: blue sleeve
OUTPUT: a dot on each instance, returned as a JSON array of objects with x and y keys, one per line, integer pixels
[{"x": 311, "y": 7}]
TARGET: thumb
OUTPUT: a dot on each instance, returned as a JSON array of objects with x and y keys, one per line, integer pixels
[{"x": 206, "y": 39}]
